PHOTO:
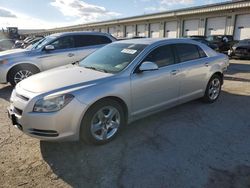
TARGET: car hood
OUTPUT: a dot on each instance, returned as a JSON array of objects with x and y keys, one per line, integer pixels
[
  {"x": 62, "y": 77},
  {"x": 13, "y": 53}
]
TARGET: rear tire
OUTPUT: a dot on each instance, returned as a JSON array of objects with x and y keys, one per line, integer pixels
[
  {"x": 20, "y": 72},
  {"x": 102, "y": 122},
  {"x": 213, "y": 89}
]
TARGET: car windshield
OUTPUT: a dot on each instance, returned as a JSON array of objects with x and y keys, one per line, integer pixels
[
  {"x": 112, "y": 58},
  {"x": 41, "y": 43}
]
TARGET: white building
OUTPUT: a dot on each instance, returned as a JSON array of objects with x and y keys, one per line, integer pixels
[{"x": 230, "y": 18}]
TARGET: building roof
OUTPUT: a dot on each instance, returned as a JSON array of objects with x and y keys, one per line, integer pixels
[{"x": 229, "y": 5}]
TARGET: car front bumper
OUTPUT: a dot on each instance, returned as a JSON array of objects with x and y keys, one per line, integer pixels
[{"x": 63, "y": 125}]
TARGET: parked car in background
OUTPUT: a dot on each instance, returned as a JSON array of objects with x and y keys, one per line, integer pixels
[
  {"x": 19, "y": 43},
  {"x": 6, "y": 44},
  {"x": 134, "y": 37},
  {"x": 197, "y": 37},
  {"x": 27, "y": 41},
  {"x": 31, "y": 42},
  {"x": 224, "y": 42},
  {"x": 52, "y": 51},
  {"x": 204, "y": 41},
  {"x": 115, "y": 85},
  {"x": 241, "y": 49}
]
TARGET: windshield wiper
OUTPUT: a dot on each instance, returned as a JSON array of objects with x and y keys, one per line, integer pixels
[
  {"x": 76, "y": 63},
  {"x": 96, "y": 69}
]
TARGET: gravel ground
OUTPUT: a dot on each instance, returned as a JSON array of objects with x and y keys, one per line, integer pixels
[{"x": 189, "y": 146}]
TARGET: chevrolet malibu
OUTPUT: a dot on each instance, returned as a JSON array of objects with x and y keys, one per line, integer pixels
[{"x": 116, "y": 85}]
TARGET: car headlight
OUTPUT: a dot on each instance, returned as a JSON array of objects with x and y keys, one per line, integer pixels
[
  {"x": 52, "y": 104},
  {"x": 4, "y": 61}
]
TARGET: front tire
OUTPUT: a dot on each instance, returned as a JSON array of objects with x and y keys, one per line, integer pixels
[
  {"x": 213, "y": 89},
  {"x": 102, "y": 122},
  {"x": 20, "y": 72}
]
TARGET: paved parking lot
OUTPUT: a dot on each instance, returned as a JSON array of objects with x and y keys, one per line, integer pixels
[{"x": 192, "y": 145}]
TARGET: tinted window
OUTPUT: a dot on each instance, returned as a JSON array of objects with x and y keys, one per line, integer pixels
[
  {"x": 64, "y": 43},
  {"x": 187, "y": 52},
  {"x": 201, "y": 52},
  {"x": 162, "y": 56},
  {"x": 43, "y": 42},
  {"x": 90, "y": 40}
]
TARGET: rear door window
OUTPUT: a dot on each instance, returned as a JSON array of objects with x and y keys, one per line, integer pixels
[
  {"x": 91, "y": 40},
  {"x": 201, "y": 52},
  {"x": 187, "y": 52}
]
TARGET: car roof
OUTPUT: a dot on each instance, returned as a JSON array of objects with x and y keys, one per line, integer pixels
[
  {"x": 79, "y": 33},
  {"x": 149, "y": 41}
]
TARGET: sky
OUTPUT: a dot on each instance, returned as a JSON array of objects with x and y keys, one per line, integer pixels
[{"x": 45, "y": 14}]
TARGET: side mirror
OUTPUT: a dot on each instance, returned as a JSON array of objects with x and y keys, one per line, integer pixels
[
  {"x": 49, "y": 47},
  {"x": 148, "y": 66}
]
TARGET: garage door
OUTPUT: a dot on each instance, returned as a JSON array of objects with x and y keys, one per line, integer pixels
[
  {"x": 242, "y": 27},
  {"x": 155, "y": 30},
  {"x": 141, "y": 30},
  {"x": 171, "y": 29},
  {"x": 191, "y": 27},
  {"x": 216, "y": 26},
  {"x": 119, "y": 32},
  {"x": 103, "y": 30},
  {"x": 112, "y": 31},
  {"x": 130, "y": 30}
]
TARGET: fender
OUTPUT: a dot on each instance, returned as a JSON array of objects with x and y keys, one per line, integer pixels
[{"x": 21, "y": 63}]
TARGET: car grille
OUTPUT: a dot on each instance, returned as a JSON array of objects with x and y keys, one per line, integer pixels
[{"x": 18, "y": 111}]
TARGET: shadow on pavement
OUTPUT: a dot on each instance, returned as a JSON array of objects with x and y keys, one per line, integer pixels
[
  {"x": 238, "y": 68},
  {"x": 179, "y": 147},
  {"x": 5, "y": 92},
  {"x": 238, "y": 177},
  {"x": 231, "y": 78}
]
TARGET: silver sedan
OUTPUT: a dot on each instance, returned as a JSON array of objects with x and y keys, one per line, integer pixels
[{"x": 116, "y": 85}]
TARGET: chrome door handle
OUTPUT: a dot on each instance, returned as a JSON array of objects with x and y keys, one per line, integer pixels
[
  {"x": 174, "y": 72},
  {"x": 206, "y": 64},
  {"x": 71, "y": 55}
]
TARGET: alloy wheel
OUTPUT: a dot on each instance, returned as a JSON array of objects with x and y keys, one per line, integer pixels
[
  {"x": 21, "y": 75},
  {"x": 214, "y": 89},
  {"x": 105, "y": 123}
]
